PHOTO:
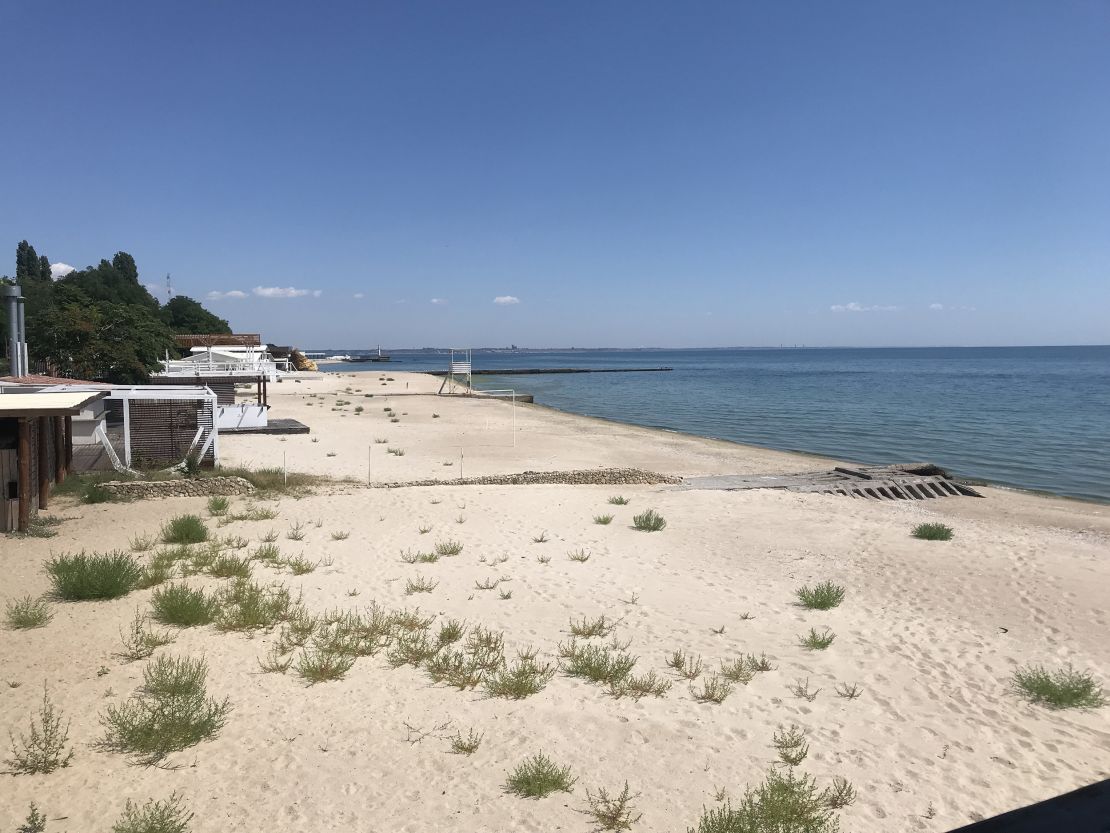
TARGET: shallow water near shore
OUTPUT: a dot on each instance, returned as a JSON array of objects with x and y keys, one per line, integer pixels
[{"x": 1029, "y": 417}]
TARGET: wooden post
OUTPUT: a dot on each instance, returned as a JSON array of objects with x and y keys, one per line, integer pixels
[
  {"x": 44, "y": 462},
  {"x": 24, "y": 466},
  {"x": 60, "y": 471},
  {"x": 69, "y": 443}
]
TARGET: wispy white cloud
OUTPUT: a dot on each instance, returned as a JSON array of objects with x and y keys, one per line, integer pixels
[
  {"x": 217, "y": 296},
  {"x": 285, "y": 292},
  {"x": 439, "y": 300},
  {"x": 60, "y": 270},
  {"x": 855, "y": 306},
  {"x": 360, "y": 295},
  {"x": 504, "y": 300},
  {"x": 951, "y": 307},
  {"x": 936, "y": 306}
]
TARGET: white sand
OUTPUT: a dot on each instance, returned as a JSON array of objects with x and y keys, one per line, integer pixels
[{"x": 935, "y": 741}]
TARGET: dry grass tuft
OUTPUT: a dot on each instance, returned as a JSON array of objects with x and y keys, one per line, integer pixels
[
  {"x": 815, "y": 641},
  {"x": 587, "y": 628},
  {"x": 523, "y": 678},
  {"x": 43, "y": 748},
  {"x": 140, "y": 640},
  {"x": 649, "y": 684},
  {"x": 744, "y": 669},
  {"x": 685, "y": 665},
  {"x": 649, "y": 521},
  {"x": 791, "y": 745},
  {"x": 848, "y": 692},
  {"x": 1062, "y": 688},
  {"x": 420, "y": 585},
  {"x": 169, "y": 816},
  {"x": 243, "y": 606},
  {"x": 319, "y": 666},
  {"x": 538, "y": 777},
  {"x": 596, "y": 663},
  {"x": 169, "y": 712},
  {"x": 466, "y": 744},
  {"x": 823, "y": 596},
  {"x": 714, "y": 689},
  {"x": 932, "y": 532},
  {"x": 183, "y": 606},
  {"x": 184, "y": 529},
  {"x": 612, "y": 812},
  {"x": 801, "y": 689},
  {"x": 27, "y": 613},
  {"x": 448, "y": 548},
  {"x": 84, "y": 577}
]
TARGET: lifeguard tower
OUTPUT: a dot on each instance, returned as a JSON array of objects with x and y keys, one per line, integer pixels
[{"x": 460, "y": 372}]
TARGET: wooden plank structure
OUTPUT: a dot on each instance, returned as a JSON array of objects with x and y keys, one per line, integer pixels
[
  {"x": 907, "y": 481},
  {"x": 213, "y": 339},
  {"x": 36, "y": 450}
]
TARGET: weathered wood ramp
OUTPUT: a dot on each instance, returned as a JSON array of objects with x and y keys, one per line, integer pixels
[{"x": 909, "y": 481}]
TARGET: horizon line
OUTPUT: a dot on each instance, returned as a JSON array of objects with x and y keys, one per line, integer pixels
[{"x": 512, "y": 349}]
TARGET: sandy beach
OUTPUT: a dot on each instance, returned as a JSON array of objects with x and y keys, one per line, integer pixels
[{"x": 929, "y": 631}]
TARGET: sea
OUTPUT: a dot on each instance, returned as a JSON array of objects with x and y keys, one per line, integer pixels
[{"x": 1034, "y": 418}]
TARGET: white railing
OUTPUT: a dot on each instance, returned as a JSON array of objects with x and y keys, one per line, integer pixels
[{"x": 214, "y": 368}]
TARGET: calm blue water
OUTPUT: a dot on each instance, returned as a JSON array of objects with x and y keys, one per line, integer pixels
[{"x": 1031, "y": 417}]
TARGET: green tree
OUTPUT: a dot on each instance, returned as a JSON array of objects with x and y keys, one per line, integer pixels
[
  {"x": 100, "y": 322},
  {"x": 184, "y": 315},
  {"x": 117, "y": 342},
  {"x": 124, "y": 264},
  {"x": 115, "y": 282},
  {"x": 29, "y": 267}
]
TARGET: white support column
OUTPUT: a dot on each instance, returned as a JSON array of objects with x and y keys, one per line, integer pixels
[
  {"x": 127, "y": 432},
  {"x": 215, "y": 440}
]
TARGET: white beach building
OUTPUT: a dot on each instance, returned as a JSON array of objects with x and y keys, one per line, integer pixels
[{"x": 246, "y": 361}]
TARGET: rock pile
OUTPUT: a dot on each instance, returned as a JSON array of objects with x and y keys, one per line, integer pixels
[
  {"x": 578, "y": 477},
  {"x": 182, "y": 487}
]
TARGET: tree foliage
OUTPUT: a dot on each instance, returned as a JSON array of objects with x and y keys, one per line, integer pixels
[
  {"x": 184, "y": 315},
  {"x": 28, "y": 265},
  {"x": 101, "y": 322}
]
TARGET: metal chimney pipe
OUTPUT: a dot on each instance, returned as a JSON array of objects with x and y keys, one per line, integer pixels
[
  {"x": 24, "y": 364},
  {"x": 12, "y": 297}
]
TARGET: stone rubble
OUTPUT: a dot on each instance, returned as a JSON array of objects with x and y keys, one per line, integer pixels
[
  {"x": 578, "y": 477},
  {"x": 182, "y": 487}
]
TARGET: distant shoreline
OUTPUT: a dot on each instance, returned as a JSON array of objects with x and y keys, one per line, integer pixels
[
  {"x": 435, "y": 351},
  {"x": 805, "y": 455},
  {"x": 815, "y": 455}
]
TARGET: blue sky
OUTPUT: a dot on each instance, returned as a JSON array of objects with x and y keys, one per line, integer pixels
[{"x": 632, "y": 173}]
